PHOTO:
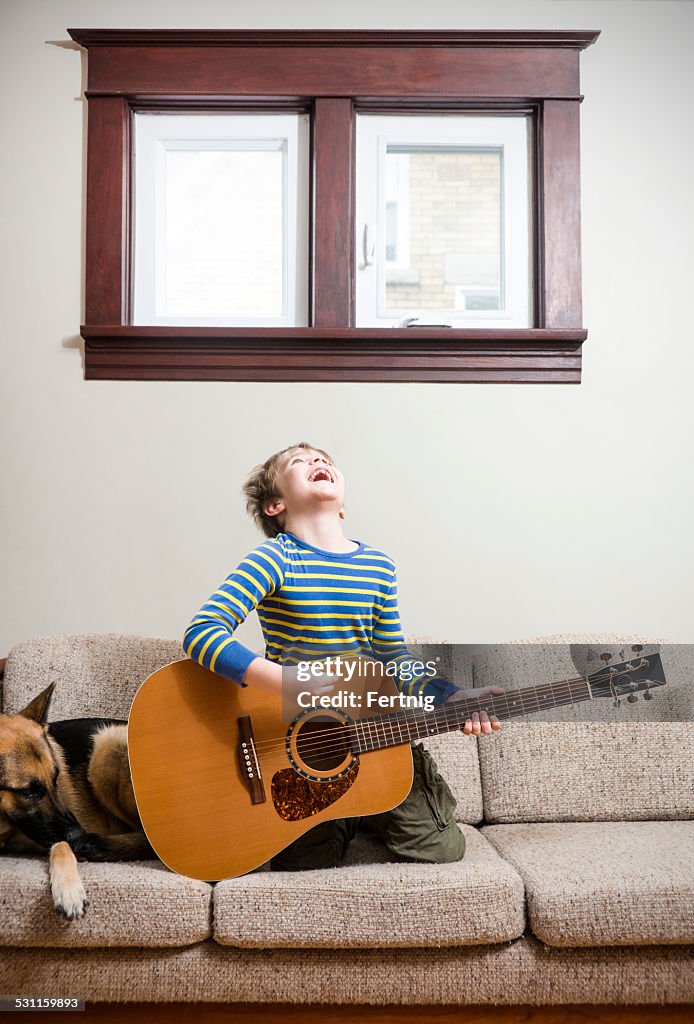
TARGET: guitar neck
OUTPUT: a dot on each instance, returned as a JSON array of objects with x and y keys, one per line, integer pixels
[{"x": 404, "y": 726}]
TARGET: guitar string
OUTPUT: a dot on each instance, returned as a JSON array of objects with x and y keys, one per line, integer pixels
[
  {"x": 338, "y": 744},
  {"x": 415, "y": 715},
  {"x": 454, "y": 715},
  {"x": 473, "y": 705}
]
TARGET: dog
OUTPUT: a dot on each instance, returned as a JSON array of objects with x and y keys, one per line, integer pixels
[{"x": 66, "y": 790}]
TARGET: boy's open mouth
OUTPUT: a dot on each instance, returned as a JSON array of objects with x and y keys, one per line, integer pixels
[{"x": 322, "y": 473}]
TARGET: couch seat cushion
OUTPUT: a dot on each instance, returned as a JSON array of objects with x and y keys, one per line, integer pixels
[
  {"x": 604, "y": 883},
  {"x": 139, "y": 903},
  {"x": 370, "y": 900}
]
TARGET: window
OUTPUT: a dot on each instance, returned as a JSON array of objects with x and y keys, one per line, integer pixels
[
  {"x": 318, "y": 205},
  {"x": 443, "y": 216},
  {"x": 221, "y": 220}
]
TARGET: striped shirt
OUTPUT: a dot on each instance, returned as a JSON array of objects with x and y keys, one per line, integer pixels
[{"x": 312, "y": 604}]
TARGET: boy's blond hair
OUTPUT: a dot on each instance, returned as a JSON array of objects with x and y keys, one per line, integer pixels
[{"x": 261, "y": 487}]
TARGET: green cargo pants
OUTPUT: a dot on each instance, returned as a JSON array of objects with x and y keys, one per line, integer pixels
[{"x": 421, "y": 828}]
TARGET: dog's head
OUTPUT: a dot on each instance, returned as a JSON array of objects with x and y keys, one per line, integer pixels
[{"x": 29, "y": 772}]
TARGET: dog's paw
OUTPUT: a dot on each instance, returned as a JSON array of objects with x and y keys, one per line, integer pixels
[
  {"x": 69, "y": 898},
  {"x": 73, "y": 904}
]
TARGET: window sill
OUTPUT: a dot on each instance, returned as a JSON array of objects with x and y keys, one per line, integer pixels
[{"x": 404, "y": 355}]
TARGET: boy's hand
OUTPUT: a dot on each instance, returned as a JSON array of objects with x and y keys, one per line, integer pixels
[{"x": 480, "y": 721}]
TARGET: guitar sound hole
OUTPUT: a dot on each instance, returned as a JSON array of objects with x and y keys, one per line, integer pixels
[{"x": 322, "y": 744}]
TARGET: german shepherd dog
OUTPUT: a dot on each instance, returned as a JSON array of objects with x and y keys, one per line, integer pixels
[{"x": 65, "y": 790}]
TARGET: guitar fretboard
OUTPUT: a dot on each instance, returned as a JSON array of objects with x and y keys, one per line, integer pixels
[{"x": 404, "y": 726}]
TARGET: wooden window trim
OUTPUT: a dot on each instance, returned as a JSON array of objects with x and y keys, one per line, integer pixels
[{"x": 333, "y": 75}]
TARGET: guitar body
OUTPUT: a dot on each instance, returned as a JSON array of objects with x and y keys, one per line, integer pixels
[{"x": 213, "y": 808}]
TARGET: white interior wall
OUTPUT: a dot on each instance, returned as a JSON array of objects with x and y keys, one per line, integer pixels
[{"x": 512, "y": 510}]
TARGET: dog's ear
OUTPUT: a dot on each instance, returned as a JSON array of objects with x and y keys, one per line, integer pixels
[{"x": 37, "y": 709}]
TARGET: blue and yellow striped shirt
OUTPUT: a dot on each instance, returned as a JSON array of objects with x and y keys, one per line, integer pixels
[{"x": 311, "y": 604}]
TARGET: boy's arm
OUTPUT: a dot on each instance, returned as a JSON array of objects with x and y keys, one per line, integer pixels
[
  {"x": 209, "y": 639},
  {"x": 389, "y": 646}
]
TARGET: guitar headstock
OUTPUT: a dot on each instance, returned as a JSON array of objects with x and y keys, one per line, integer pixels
[{"x": 638, "y": 674}]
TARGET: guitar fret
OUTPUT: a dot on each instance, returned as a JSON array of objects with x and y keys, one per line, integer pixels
[{"x": 379, "y": 731}]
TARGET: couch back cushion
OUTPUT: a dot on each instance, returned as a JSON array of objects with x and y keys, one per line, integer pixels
[
  {"x": 96, "y": 674},
  {"x": 99, "y": 674},
  {"x": 588, "y": 761},
  {"x": 588, "y": 772},
  {"x": 456, "y": 758}
]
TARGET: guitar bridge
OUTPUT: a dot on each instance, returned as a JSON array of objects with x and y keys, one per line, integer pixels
[{"x": 248, "y": 760}]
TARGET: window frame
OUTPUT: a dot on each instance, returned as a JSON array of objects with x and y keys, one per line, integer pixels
[
  {"x": 332, "y": 75},
  {"x": 377, "y": 133}
]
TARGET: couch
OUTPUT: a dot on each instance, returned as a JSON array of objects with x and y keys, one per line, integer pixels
[{"x": 576, "y": 887}]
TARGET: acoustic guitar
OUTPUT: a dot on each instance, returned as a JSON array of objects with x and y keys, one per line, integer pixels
[{"x": 225, "y": 778}]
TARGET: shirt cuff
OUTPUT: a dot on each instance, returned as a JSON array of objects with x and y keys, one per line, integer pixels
[{"x": 233, "y": 662}]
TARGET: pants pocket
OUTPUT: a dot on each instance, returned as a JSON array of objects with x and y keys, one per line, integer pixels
[{"x": 434, "y": 788}]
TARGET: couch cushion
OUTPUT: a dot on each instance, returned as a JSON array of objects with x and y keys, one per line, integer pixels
[
  {"x": 371, "y": 901},
  {"x": 97, "y": 674},
  {"x": 472, "y": 982},
  {"x": 550, "y": 659},
  {"x": 604, "y": 884},
  {"x": 139, "y": 903},
  {"x": 588, "y": 761},
  {"x": 588, "y": 771},
  {"x": 456, "y": 758}
]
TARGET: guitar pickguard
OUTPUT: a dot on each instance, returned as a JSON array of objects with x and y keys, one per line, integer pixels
[{"x": 296, "y": 798}]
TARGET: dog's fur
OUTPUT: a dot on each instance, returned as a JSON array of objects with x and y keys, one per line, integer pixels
[{"x": 65, "y": 790}]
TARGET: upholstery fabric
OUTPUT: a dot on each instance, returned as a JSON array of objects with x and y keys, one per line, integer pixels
[
  {"x": 368, "y": 901},
  {"x": 99, "y": 674},
  {"x": 549, "y": 659},
  {"x": 588, "y": 771},
  {"x": 457, "y": 759},
  {"x": 604, "y": 883},
  {"x": 96, "y": 674},
  {"x": 135, "y": 903},
  {"x": 524, "y": 971}
]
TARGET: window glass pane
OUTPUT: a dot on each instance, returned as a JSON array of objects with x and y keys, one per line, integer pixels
[
  {"x": 443, "y": 220},
  {"x": 224, "y": 239},
  {"x": 453, "y": 204},
  {"x": 221, "y": 219}
]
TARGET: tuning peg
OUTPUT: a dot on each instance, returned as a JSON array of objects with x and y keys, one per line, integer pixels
[
  {"x": 605, "y": 657},
  {"x": 632, "y": 698},
  {"x": 648, "y": 695},
  {"x": 616, "y": 704},
  {"x": 637, "y": 648}
]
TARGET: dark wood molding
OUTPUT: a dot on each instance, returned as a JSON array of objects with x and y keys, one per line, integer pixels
[
  {"x": 333, "y": 354},
  {"x": 388, "y": 1013},
  {"x": 350, "y": 71},
  {"x": 108, "y": 211},
  {"x": 333, "y": 232},
  {"x": 561, "y": 215},
  {"x": 333, "y": 75},
  {"x": 338, "y": 37}
]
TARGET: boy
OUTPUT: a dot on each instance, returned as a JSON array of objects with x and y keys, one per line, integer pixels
[{"x": 318, "y": 594}]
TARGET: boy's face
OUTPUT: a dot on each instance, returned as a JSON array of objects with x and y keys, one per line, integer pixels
[{"x": 306, "y": 479}]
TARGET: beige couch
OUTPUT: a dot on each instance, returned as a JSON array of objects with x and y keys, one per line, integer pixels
[{"x": 576, "y": 887}]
